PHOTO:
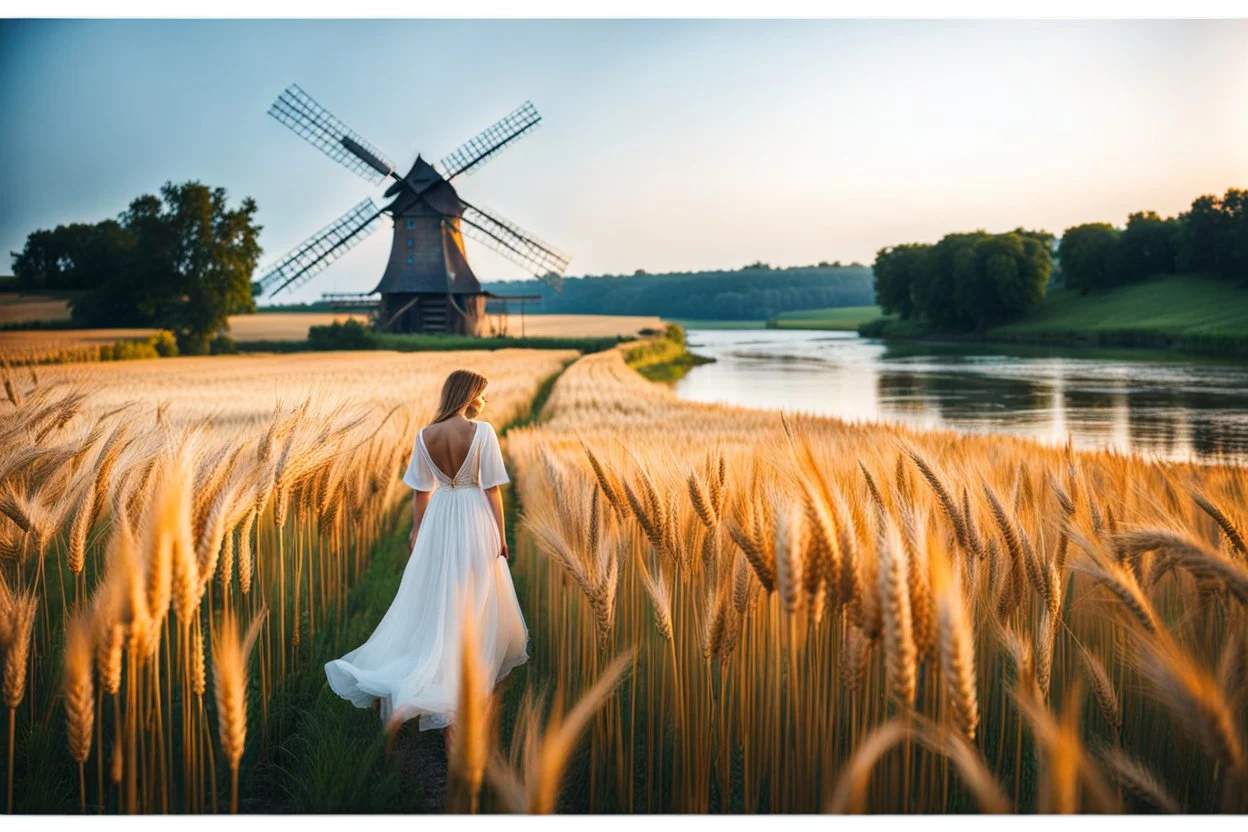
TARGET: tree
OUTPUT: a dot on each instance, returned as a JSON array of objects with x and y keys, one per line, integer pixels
[
  {"x": 934, "y": 287},
  {"x": 896, "y": 269},
  {"x": 1214, "y": 236},
  {"x": 1235, "y": 206},
  {"x": 183, "y": 261},
  {"x": 1149, "y": 245},
  {"x": 63, "y": 258},
  {"x": 999, "y": 277},
  {"x": 1091, "y": 257}
]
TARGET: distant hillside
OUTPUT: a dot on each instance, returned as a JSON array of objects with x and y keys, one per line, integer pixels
[
  {"x": 750, "y": 293},
  {"x": 1184, "y": 309},
  {"x": 1194, "y": 313},
  {"x": 841, "y": 318}
]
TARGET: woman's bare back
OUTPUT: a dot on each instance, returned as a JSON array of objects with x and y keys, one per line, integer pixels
[{"x": 448, "y": 442}]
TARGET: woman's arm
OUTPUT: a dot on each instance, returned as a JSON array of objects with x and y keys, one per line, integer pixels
[
  {"x": 420, "y": 500},
  {"x": 495, "y": 496}
]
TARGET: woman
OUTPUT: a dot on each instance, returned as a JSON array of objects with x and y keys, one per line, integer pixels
[{"x": 409, "y": 667}]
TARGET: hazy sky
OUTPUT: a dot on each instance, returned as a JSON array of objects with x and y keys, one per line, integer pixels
[{"x": 665, "y": 145}]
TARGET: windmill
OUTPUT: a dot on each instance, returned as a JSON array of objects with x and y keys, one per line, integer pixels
[{"x": 428, "y": 285}]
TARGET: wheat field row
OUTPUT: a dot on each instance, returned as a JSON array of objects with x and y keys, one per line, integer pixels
[
  {"x": 836, "y": 617},
  {"x": 752, "y": 612},
  {"x": 174, "y": 534}
]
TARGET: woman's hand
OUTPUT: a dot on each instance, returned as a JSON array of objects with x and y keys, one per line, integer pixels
[
  {"x": 411, "y": 540},
  {"x": 504, "y": 553}
]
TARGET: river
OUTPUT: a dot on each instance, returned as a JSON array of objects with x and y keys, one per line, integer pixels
[{"x": 1175, "y": 408}]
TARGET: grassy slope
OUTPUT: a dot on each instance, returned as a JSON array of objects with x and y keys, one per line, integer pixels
[
  {"x": 1171, "y": 305},
  {"x": 1191, "y": 312},
  {"x": 691, "y": 323},
  {"x": 666, "y": 358},
  {"x": 844, "y": 318}
]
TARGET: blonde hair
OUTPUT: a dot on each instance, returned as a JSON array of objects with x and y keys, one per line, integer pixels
[{"x": 459, "y": 389}]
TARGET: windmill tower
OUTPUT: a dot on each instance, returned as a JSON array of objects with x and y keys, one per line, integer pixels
[{"x": 428, "y": 285}]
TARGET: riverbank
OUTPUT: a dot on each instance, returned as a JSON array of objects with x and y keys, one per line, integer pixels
[
  {"x": 837, "y": 318},
  {"x": 665, "y": 358},
  {"x": 1157, "y": 402},
  {"x": 1192, "y": 314}
]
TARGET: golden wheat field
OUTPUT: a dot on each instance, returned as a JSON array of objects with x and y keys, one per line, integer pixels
[
  {"x": 173, "y": 534},
  {"x": 834, "y": 617},
  {"x": 735, "y": 610},
  {"x": 53, "y": 346}
]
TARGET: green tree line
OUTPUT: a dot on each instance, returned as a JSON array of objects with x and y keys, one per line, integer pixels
[
  {"x": 754, "y": 292},
  {"x": 965, "y": 281},
  {"x": 970, "y": 281},
  {"x": 1210, "y": 237},
  {"x": 180, "y": 261}
]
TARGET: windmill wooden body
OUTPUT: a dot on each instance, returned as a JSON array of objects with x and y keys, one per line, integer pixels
[{"x": 428, "y": 284}]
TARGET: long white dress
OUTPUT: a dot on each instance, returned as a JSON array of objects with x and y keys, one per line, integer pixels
[{"x": 411, "y": 661}]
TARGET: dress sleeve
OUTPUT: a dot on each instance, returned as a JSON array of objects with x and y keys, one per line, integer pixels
[
  {"x": 492, "y": 471},
  {"x": 418, "y": 475}
]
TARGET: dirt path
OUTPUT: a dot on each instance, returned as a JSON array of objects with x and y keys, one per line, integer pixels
[{"x": 422, "y": 760}]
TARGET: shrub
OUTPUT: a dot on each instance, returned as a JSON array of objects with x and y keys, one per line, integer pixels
[
  {"x": 165, "y": 344},
  {"x": 345, "y": 335},
  {"x": 128, "y": 351},
  {"x": 222, "y": 345}
]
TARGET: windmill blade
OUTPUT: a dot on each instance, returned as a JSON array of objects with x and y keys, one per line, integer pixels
[
  {"x": 546, "y": 262},
  {"x": 489, "y": 142},
  {"x": 322, "y": 248},
  {"x": 300, "y": 112}
]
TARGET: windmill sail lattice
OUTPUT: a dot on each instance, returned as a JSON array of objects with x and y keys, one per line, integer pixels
[
  {"x": 300, "y": 112},
  {"x": 519, "y": 246},
  {"x": 428, "y": 284},
  {"x": 475, "y": 152},
  {"x": 322, "y": 248}
]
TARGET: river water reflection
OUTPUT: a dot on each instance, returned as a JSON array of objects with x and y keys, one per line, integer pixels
[{"x": 1166, "y": 407}]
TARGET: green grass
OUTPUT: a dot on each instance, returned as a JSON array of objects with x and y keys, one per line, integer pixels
[
  {"x": 691, "y": 323},
  {"x": 666, "y": 358},
  {"x": 1190, "y": 313},
  {"x": 1175, "y": 305},
  {"x": 841, "y": 318}
]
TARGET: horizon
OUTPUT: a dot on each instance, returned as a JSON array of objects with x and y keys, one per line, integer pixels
[{"x": 666, "y": 146}]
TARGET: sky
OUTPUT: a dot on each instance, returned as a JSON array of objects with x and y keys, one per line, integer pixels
[{"x": 666, "y": 145}]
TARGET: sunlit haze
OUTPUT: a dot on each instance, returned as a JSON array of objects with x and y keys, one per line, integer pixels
[{"x": 665, "y": 145}]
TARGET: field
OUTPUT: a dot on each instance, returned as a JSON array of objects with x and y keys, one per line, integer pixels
[
  {"x": 153, "y": 511},
  {"x": 1176, "y": 305},
  {"x": 16, "y": 307},
  {"x": 293, "y": 326},
  {"x": 24, "y": 345},
  {"x": 690, "y": 323},
  {"x": 735, "y": 610},
  {"x": 580, "y": 326},
  {"x": 285, "y": 326},
  {"x": 1190, "y": 312},
  {"x": 865, "y": 618},
  {"x": 842, "y": 318},
  {"x": 275, "y": 329}
]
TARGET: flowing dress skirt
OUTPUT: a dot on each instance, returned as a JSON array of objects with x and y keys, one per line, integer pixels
[{"x": 411, "y": 661}]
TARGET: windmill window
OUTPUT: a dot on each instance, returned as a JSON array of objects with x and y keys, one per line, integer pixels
[
  {"x": 411, "y": 259},
  {"x": 411, "y": 223},
  {"x": 411, "y": 243}
]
